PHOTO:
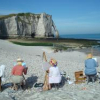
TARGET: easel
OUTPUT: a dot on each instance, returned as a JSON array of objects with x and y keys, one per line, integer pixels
[{"x": 45, "y": 86}]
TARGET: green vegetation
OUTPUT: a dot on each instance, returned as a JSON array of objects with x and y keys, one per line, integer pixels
[
  {"x": 60, "y": 44},
  {"x": 27, "y": 15},
  {"x": 60, "y": 47},
  {"x": 24, "y": 14},
  {"x": 33, "y": 44},
  {"x": 19, "y": 14},
  {"x": 7, "y": 16}
]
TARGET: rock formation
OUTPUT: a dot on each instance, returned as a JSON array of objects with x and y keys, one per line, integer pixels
[{"x": 27, "y": 25}]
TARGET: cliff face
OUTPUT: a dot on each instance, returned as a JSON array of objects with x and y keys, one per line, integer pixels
[{"x": 27, "y": 25}]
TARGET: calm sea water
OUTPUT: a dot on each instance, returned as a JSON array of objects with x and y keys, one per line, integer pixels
[{"x": 82, "y": 36}]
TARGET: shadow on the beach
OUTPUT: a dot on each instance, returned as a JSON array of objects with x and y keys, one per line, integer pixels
[
  {"x": 6, "y": 86},
  {"x": 30, "y": 81},
  {"x": 63, "y": 81}
]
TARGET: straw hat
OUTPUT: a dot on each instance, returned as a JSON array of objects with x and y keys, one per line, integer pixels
[
  {"x": 19, "y": 60},
  {"x": 89, "y": 56},
  {"x": 53, "y": 62}
]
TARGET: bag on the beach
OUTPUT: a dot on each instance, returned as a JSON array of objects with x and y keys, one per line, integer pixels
[{"x": 38, "y": 85}]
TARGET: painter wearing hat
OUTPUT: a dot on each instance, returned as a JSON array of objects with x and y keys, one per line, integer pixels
[
  {"x": 90, "y": 65},
  {"x": 18, "y": 73},
  {"x": 54, "y": 73}
]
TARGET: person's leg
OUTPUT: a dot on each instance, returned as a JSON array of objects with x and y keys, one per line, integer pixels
[
  {"x": 94, "y": 77},
  {"x": 87, "y": 78},
  {"x": 0, "y": 83},
  {"x": 91, "y": 77},
  {"x": 15, "y": 87},
  {"x": 17, "y": 80},
  {"x": 23, "y": 83}
]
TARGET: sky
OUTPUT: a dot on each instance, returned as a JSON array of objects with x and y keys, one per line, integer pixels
[{"x": 69, "y": 16}]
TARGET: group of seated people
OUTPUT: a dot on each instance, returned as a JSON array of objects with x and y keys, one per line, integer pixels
[{"x": 52, "y": 73}]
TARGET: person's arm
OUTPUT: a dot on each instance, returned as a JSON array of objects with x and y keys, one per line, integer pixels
[{"x": 25, "y": 70}]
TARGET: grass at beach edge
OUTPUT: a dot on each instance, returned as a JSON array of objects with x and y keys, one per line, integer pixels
[
  {"x": 63, "y": 44},
  {"x": 32, "y": 44}
]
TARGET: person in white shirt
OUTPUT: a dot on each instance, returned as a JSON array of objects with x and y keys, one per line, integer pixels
[
  {"x": 54, "y": 73},
  {"x": 2, "y": 75}
]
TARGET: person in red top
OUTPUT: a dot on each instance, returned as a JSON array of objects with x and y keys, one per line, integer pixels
[{"x": 18, "y": 73}]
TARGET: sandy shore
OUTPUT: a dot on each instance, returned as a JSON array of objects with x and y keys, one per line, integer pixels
[{"x": 68, "y": 61}]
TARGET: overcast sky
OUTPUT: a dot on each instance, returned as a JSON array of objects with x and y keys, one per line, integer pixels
[{"x": 70, "y": 16}]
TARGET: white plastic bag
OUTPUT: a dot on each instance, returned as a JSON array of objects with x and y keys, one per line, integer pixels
[
  {"x": 3, "y": 79},
  {"x": 2, "y": 72}
]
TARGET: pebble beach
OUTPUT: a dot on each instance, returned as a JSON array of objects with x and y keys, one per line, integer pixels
[{"x": 68, "y": 61}]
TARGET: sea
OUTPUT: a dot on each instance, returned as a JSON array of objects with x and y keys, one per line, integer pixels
[
  {"x": 84, "y": 36},
  {"x": 81, "y": 36}
]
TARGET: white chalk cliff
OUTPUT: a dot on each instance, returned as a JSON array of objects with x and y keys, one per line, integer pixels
[{"x": 27, "y": 25}]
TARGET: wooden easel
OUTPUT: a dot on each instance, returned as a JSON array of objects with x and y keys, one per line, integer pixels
[{"x": 45, "y": 86}]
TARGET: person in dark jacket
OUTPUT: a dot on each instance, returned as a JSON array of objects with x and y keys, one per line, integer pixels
[{"x": 90, "y": 65}]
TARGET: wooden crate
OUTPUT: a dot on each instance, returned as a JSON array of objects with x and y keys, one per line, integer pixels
[{"x": 79, "y": 77}]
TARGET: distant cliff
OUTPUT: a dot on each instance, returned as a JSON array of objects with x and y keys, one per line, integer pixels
[{"x": 27, "y": 25}]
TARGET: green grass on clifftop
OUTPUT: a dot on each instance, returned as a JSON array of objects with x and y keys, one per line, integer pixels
[{"x": 19, "y": 14}]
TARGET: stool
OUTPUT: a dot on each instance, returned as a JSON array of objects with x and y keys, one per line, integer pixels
[
  {"x": 91, "y": 78},
  {"x": 17, "y": 86},
  {"x": 56, "y": 85}
]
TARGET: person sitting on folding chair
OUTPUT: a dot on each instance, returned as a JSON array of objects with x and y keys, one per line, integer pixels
[
  {"x": 90, "y": 68},
  {"x": 54, "y": 73},
  {"x": 18, "y": 73}
]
